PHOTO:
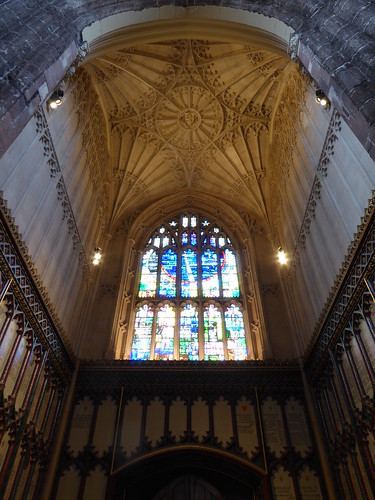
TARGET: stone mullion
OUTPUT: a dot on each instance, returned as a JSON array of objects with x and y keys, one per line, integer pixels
[
  {"x": 338, "y": 402},
  {"x": 60, "y": 400},
  {"x": 362, "y": 348},
  {"x": 20, "y": 318},
  {"x": 223, "y": 329},
  {"x": 9, "y": 316},
  {"x": 29, "y": 349},
  {"x": 8, "y": 404},
  {"x": 322, "y": 416},
  {"x": 17, "y": 476},
  {"x": 34, "y": 378},
  {"x": 368, "y": 459},
  {"x": 353, "y": 412},
  {"x": 41, "y": 395},
  {"x": 367, "y": 303},
  {"x": 337, "y": 363},
  {"x": 354, "y": 369},
  {"x": 8, "y": 462},
  {"x": 330, "y": 412},
  {"x": 358, "y": 474}
]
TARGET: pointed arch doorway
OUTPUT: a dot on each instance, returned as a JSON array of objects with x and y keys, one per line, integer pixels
[{"x": 188, "y": 474}]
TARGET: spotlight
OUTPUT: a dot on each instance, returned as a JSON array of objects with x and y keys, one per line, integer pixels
[
  {"x": 281, "y": 256},
  {"x": 97, "y": 256},
  {"x": 321, "y": 98},
  {"x": 56, "y": 99}
]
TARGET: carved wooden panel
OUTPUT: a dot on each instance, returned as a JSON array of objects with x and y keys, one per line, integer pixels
[{"x": 163, "y": 406}]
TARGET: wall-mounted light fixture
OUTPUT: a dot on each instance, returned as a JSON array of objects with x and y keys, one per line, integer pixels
[
  {"x": 56, "y": 99},
  {"x": 281, "y": 256},
  {"x": 322, "y": 99},
  {"x": 97, "y": 256}
]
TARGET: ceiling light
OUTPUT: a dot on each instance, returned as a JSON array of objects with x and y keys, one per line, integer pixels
[
  {"x": 281, "y": 256},
  {"x": 321, "y": 98},
  {"x": 97, "y": 256},
  {"x": 56, "y": 99}
]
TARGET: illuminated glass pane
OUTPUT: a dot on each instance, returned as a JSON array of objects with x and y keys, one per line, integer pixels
[
  {"x": 210, "y": 278},
  {"x": 175, "y": 244},
  {"x": 167, "y": 287},
  {"x": 165, "y": 323},
  {"x": 189, "y": 345},
  {"x": 142, "y": 333},
  {"x": 147, "y": 285},
  {"x": 189, "y": 274},
  {"x": 235, "y": 333},
  {"x": 213, "y": 334},
  {"x": 229, "y": 274}
]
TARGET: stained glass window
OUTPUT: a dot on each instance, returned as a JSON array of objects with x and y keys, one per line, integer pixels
[{"x": 194, "y": 308}]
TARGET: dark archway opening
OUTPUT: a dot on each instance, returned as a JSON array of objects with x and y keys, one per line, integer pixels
[{"x": 160, "y": 474}]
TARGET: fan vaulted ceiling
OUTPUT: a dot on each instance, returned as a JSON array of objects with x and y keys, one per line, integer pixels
[{"x": 190, "y": 115}]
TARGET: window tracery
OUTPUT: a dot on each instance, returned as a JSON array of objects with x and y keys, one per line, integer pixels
[{"x": 188, "y": 303}]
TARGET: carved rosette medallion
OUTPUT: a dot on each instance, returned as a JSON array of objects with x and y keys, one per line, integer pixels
[{"x": 189, "y": 118}]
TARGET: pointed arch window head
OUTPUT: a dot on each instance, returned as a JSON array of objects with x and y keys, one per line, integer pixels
[{"x": 189, "y": 305}]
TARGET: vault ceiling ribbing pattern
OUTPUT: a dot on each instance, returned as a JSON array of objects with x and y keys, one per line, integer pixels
[{"x": 190, "y": 115}]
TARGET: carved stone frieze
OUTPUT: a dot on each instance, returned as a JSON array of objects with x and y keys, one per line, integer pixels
[
  {"x": 270, "y": 289},
  {"x": 108, "y": 289},
  {"x": 46, "y": 139},
  {"x": 62, "y": 193},
  {"x": 327, "y": 151}
]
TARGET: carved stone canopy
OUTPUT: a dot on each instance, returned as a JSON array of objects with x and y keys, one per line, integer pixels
[{"x": 190, "y": 116}]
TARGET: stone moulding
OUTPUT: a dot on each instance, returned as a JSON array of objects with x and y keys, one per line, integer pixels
[
  {"x": 62, "y": 193},
  {"x": 324, "y": 161},
  {"x": 15, "y": 264},
  {"x": 345, "y": 294}
]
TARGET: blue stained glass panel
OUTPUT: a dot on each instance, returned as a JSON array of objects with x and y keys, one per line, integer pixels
[
  {"x": 184, "y": 238},
  {"x": 193, "y": 239},
  {"x": 167, "y": 286},
  {"x": 189, "y": 286},
  {"x": 235, "y": 333},
  {"x": 147, "y": 285},
  {"x": 165, "y": 324},
  {"x": 142, "y": 333},
  {"x": 189, "y": 344},
  {"x": 213, "y": 241},
  {"x": 210, "y": 278},
  {"x": 213, "y": 334},
  {"x": 229, "y": 276}
]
